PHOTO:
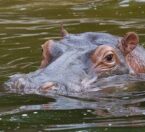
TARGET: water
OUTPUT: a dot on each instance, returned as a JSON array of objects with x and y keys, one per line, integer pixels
[{"x": 25, "y": 25}]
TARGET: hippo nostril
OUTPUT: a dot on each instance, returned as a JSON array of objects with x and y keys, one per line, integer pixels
[
  {"x": 15, "y": 84},
  {"x": 20, "y": 83},
  {"x": 53, "y": 88},
  {"x": 47, "y": 86}
]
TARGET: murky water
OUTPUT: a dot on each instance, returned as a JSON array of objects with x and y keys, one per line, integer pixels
[{"x": 25, "y": 25}]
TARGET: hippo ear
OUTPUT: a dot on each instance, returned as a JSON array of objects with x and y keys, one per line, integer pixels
[
  {"x": 46, "y": 53},
  {"x": 63, "y": 31},
  {"x": 129, "y": 42}
]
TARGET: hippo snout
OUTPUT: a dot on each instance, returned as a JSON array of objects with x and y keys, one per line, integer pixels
[
  {"x": 19, "y": 83},
  {"x": 24, "y": 85}
]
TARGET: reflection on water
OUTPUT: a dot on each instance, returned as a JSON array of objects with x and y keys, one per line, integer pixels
[{"x": 25, "y": 25}]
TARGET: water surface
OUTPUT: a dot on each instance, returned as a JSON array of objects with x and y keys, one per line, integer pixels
[{"x": 25, "y": 25}]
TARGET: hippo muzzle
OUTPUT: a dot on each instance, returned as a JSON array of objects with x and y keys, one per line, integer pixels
[{"x": 77, "y": 62}]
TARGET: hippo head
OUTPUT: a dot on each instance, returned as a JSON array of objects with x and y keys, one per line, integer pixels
[{"x": 77, "y": 61}]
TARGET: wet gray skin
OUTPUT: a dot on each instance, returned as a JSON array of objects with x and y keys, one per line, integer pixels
[{"x": 71, "y": 69}]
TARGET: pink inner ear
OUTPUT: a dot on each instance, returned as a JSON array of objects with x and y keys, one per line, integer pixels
[
  {"x": 134, "y": 38},
  {"x": 129, "y": 42},
  {"x": 131, "y": 38}
]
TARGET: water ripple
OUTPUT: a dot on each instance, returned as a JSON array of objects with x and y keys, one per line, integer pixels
[{"x": 25, "y": 25}]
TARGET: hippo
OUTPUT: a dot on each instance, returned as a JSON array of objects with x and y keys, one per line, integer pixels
[{"x": 83, "y": 62}]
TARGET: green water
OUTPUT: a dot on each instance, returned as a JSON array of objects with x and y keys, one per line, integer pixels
[{"x": 25, "y": 25}]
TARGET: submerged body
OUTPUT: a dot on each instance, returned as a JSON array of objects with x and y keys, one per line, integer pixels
[{"x": 83, "y": 62}]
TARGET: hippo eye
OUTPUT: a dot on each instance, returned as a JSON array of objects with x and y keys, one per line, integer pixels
[{"x": 109, "y": 58}]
